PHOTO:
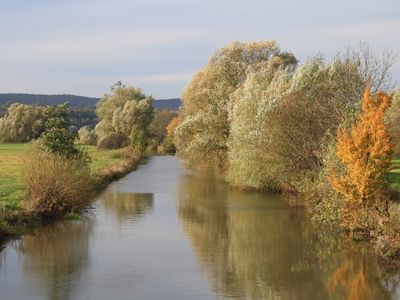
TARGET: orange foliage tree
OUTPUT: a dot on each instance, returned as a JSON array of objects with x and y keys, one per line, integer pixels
[
  {"x": 172, "y": 126},
  {"x": 366, "y": 153}
]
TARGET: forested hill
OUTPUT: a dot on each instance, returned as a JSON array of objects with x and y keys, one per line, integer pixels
[{"x": 75, "y": 101}]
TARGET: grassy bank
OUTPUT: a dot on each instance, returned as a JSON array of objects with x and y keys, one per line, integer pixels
[
  {"x": 394, "y": 175},
  {"x": 106, "y": 165}
]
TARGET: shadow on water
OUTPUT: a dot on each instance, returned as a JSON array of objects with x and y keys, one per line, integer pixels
[{"x": 250, "y": 245}]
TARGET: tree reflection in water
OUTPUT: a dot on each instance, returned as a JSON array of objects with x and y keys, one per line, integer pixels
[
  {"x": 251, "y": 245},
  {"x": 126, "y": 206},
  {"x": 56, "y": 255}
]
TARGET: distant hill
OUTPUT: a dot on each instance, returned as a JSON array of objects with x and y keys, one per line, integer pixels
[{"x": 75, "y": 101}]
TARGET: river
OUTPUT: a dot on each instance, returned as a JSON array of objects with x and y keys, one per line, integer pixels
[{"x": 164, "y": 232}]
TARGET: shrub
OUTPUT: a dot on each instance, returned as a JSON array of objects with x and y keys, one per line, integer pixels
[
  {"x": 138, "y": 140},
  {"x": 114, "y": 141},
  {"x": 87, "y": 136},
  {"x": 55, "y": 185},
  {"x": 57, "y": 138}
]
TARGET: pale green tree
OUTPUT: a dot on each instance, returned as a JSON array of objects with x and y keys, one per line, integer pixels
[
  {"x": 202, "y": 135},
  {"x": 121, "y": 111},
  {"x": 22, "y": 123},
  {"x": 86, "y": 136},
  {"x": 251, "y": 161}
]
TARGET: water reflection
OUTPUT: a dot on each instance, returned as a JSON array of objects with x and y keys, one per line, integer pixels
[
  {"x": 126, "y": 206},
  {"x": 250, "y": 245},
  {"x": 56, "y": 256}
]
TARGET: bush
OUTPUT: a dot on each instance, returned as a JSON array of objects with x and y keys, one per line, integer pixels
[
  {"x": 87, "y": 136},
  {"x": 138, "y": 140},
  {"x": 114, "y": 141},
  {"x": 57, "y": 138},
  {"x": 56, "y": 185}
]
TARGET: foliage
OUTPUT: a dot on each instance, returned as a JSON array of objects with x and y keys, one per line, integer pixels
[
  {"x": 57, "y": 138},
  {"x": 158, "y": 127},
  {"x": 393, "y": 120},
  {"x": 251, "y": 163},
  {"x": 55, "y": 185},
  {"x": 280, "y": 118},
  {"x": 114, "y": 141},
  {"x": 138, "y": 140},
  {"x": 168, "y": 146},
  {"x": 22, "y": 123},
  {"x": 366, "y": 151},
  {"x": 202, "y": 136},
  {"x": 125, "y": 108},
  {"x": 81, "y": 117},
  {"x": 87, "y": 136}
]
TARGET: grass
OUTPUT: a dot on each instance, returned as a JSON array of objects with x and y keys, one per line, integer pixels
[
  {"x": 102, "y": 159},
  {"x": 12, "y": 191},
  {"x": 11, "y": 188},
  {"x": 394, "y": 175}
]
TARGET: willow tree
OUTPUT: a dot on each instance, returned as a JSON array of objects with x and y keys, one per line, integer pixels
[
  {"x": 22, "y": 123},
  {"x": 125, "y": 110},
  {"x": 202, "y": 135}
]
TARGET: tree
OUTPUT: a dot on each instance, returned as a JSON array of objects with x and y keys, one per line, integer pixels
[
  {"x": 56, "y": 137},
  {"x": 282, "y": 120},
  {"x": 158, "y": 127},
  {"x": 138, "y": 139},
  {"x": 366, "y": 153},
  {"x": 87, "y": 136},
  {"x": 22, "y": 123},
  {"x": 124, "y": 109},
  {"x": 202, "y": 135}
]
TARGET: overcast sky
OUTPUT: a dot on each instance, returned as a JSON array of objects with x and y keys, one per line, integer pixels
[{"x": 83, "y": 46}]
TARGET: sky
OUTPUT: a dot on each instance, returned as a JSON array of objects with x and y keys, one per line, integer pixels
[{"x": 82, "y": 47}]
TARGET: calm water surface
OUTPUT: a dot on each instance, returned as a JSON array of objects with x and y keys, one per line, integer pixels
[{"x": 164, "y": 232}]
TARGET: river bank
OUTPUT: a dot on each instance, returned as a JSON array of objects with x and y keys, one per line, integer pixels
[{"x": 106, "y": 166}]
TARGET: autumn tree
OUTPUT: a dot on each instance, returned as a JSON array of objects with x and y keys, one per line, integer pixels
[
  {"x": 366, "y": 152},
  {"x": 157, "y": 129}
]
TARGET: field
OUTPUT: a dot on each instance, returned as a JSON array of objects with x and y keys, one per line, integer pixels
[{"x": 11, "y": 189}]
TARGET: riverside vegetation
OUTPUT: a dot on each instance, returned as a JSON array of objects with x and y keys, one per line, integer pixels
[
  {"x": 59, "y": 171},
  {"x": 323, "y": 133}
]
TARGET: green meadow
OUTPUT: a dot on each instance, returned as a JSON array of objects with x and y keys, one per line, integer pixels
[{"x": 12, "y": 191}]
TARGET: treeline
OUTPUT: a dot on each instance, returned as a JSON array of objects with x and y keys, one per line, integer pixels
[
  {"x": 121, "y": 118},
  {"x": 39, "y": 99},
  {"x": 275, "y": 124},
  {"x": 74, "y": 101}
]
